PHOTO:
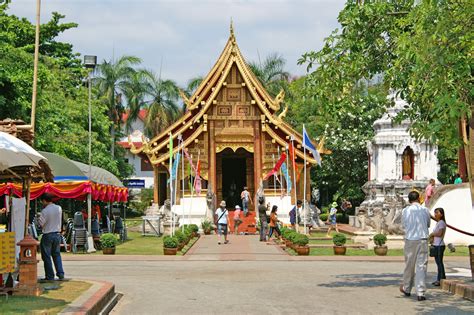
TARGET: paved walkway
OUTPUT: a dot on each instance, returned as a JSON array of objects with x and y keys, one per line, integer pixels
[{"x": 240, "y": 247}]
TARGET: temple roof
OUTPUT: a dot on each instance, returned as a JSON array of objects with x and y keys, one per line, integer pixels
[{"x": 194, "y": 121}]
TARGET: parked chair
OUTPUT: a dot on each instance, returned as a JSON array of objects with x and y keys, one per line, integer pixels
[{"x": 79, "y": 233}]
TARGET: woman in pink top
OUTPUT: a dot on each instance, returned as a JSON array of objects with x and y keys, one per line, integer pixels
[
  {"x": 237, "y": 219},
  {"x": 429, "y": 191}
]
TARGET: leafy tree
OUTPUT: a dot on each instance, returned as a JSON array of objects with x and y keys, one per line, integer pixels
[
  {"x": 135, "y": 91},
  {"x": 422, "y": 51},
  {"x": 271, "y": 73},
  {"x": 62, "y": 120},
  {"x": 192, "y": 85},
  {"x": 111, "y": 82}
]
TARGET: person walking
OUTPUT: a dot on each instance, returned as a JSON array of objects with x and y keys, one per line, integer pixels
[
  {"x": 237, "y": 220},
  {"x": 438, "y": 235},
  {"x": 332, "y": 218},
  {"x": 262, "y": 216},
  {"x": 429, "y": 191},
  {"x": 245, "y": 196},
  {"x": 415, "y": 221},
  {"x": 222, "y": 220},
  {"x": 274, "y": 224},
  {"x": 294, "y": 214},
  {"x": 50, "y": 220}
]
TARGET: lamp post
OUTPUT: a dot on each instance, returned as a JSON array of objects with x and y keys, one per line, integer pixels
[{"x": 90, "y": 62}]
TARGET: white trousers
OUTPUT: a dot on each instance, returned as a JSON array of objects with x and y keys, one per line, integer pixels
[{"x": 416, "y": 265}]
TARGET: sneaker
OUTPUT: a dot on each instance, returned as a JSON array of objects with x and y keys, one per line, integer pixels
[
  {"x": 436, "y": 283},
  {"x": 226, "y": 242},
  {"x": 403, "y": 291},
  {"x": 421, "y": 298}
]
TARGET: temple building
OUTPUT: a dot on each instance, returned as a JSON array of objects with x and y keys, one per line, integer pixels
[{"x": 235, "y": 129}]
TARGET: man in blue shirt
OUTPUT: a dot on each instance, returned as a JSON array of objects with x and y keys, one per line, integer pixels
[
  {"x": 415, "y": 221},
  {"x": 294, "y": 213}
]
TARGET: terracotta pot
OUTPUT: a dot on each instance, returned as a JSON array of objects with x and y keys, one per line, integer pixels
[
  {"x": 108, "y": 251},
  {"x": 381, "y": 250},
  {"x": 302, "y": 250},
  {"x": 207, "y": 232},
  {"x": 339, "y": 250},
  {"x": 170, "y": 251},
  {"x": 288, "y": 243}
]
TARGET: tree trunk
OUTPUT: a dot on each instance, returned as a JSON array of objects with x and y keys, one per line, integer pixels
[{"x": 112, "y": 135}]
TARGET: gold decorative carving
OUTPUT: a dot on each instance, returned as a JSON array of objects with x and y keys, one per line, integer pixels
[
  {"x": 234, "y": 94},
  {"x": 234, "y": 147},
  {"x": 283, "y": 113},
  {"x": 224, "y": 110},
  {"x": 243, "y": 110}
]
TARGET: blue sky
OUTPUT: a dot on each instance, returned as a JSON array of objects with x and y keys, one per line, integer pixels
[{"x": 189, "y": 35}]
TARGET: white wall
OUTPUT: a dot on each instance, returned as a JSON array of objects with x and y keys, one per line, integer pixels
[{"x": 459, "y": 213}]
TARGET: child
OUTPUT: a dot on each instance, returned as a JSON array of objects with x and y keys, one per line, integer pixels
[{"x": 332, "y": 218}]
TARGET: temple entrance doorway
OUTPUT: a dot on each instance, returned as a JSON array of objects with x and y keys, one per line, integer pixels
[{"x": 234, "y": 171}]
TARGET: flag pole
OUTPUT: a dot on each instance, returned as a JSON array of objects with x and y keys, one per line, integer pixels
[
  {"x": 171, "y": 183},
  {"x": 182, "y": 181},
  {"x": 281, "y": 176},
  {"x": 274, "y": 176},
  {"x": 304, "y": 187},
  {"x": 287, "y": 168},
  {"x": 293, "y": 162},
  {"x": 191, "y": 183}
]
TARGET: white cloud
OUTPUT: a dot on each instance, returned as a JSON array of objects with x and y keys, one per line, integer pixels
[{"x": 189, "y": 35}]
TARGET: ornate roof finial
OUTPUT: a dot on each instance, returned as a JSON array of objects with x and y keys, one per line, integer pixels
[{"x": 232, "y": 29}]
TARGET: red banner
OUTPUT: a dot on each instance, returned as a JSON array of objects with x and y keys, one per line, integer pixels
[{"x": 277, "y": 166}]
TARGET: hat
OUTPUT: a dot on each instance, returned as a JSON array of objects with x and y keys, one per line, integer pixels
[
  {"x": 237, "y": 207},
  {"x": 222, "y": 203},
  {"x": 334, "y": 204}
]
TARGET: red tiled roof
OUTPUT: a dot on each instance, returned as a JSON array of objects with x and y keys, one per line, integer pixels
[
  {"x": 126, "y": 145},
  {"x": 141, "y": 115}
]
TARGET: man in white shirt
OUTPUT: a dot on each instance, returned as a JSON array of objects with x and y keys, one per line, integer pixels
[
  {"x": 416, "y": 221},
  {"x": 50, "y": 220},
  {"x": 222, "y": 219}
]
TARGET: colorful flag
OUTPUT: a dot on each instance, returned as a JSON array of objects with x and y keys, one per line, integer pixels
[
  {"x": 174, "y": 171},
  {"x": 277, "y": 166},
  {"x": 190, "y": 160},
  {"x": 292, "y": 153},
  {"x": 197, "y": 180},
  {"x": 171, "y": 146},
  {"x": 310, "y": 147},
  {"x": 284, "y": 169}
]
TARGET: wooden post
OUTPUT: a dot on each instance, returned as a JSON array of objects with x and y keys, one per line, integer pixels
[
  {"x": 35, "y": 66},
  {"x": 212, "y": 158},
  {"x": 156, "y": 184},
  {"x": 257, "y": 158}
]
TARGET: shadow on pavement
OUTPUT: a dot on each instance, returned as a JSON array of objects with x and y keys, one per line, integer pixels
[{"x": 364, "y": 280}]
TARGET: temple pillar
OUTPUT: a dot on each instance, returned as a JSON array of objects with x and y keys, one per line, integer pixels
[
  {"x": 155, "y": 184},
  {"x": 212, "y": 158},
  {"x": 257, "y": 157}
]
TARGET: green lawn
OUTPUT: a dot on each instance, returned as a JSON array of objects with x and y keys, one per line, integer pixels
[
  {"x": 140, "y": 245},
  {"x": 50, "y": 302}
]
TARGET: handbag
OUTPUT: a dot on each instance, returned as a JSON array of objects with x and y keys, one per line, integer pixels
[{"x": 433, "y": 251}]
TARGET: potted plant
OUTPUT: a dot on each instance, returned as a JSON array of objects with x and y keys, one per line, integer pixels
[
  {"x": 108, "y": 242},
  {"x": 170, "y": 245},
  {"x": 181, "y": 238},
  {"x": 206, "y": 227},
  {"x": 194, "y": 229},
  {"x": 339, "y": 240},
  {"x": 289, "y": 238},
  {"x": 300, "y": 242},
  {"x": 380, "y": 248}
]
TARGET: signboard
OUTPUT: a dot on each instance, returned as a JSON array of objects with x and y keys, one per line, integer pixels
[
  {"x": 7, "y": 252},
  {"x": 134, "y": 183}
]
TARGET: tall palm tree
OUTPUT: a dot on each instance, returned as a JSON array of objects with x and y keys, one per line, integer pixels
[
  {"x": 163, "y": 108},
  {"x": 271, "y": 73},
  {"x": 110, "y": 81},
  {"x": 135, "y": 90},
  {"x": 193, "y": 84}
]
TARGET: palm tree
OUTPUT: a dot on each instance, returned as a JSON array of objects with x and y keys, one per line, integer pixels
[
  {"x": 271, "y": 73},
  {"x": 163, "y": 108},
  {"x": 110, "y": 81},
  {"x": 192, "y": 86},
  {"x": 135, "y": 91}
]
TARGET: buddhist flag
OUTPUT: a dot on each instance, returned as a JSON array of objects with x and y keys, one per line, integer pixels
[
  {"x": 197, "y": 180},
  {"x": 291, "y": 152},
  {"x": 175, "y": 166},
  {"x": 284, "y": 170},
  {"x": 171, "y": 146},
  {"x": 310, "y": 147},
  {"x": 277, "y": 166},
  {"x": 190, "y": 160}
]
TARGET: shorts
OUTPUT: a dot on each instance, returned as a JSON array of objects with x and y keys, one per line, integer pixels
[
  {"x": 222, "y": 229},
  {"x": 333, "y": 220}
]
